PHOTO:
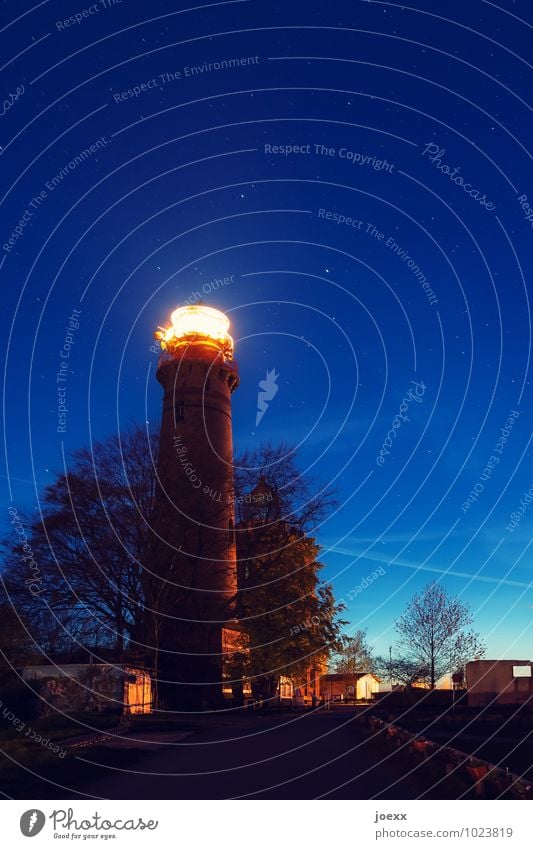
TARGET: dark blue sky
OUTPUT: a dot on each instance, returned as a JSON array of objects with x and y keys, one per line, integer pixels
[{"x": 148, "y": 152}]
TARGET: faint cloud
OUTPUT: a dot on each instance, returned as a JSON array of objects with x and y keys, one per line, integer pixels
[{"x": 398, "y": 561}]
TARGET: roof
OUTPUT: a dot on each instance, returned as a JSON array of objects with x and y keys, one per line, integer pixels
[
  {"x": 346, "y": 676},
  {"x": 501, "y": 660}
]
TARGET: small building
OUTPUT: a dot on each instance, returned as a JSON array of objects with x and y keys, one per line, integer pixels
[
  {"x": 95, "y": 687},
  {"x": 306, "y": 690},
  {"x": 339, "y": 686},
  {"x": 499, "y": 682}
]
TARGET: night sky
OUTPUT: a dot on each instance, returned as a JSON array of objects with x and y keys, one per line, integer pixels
[{"x": 351, "y": 182}]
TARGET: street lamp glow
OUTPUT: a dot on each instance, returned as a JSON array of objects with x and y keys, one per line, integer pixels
[{"x": 196, "y": 324}]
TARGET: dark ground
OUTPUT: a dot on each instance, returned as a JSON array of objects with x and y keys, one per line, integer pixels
[{"x": 323, "y": 754}]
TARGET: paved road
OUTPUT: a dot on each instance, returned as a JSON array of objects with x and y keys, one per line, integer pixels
[{"x": 302, "y": 756}]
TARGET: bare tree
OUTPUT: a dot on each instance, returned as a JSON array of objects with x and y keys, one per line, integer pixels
[
  {"x": 435, "y": 635},
  {"x": 299, "y": 499},
  {"x": 401, "y": 670},
  {"x": 89, "y": 543},
  {"x": 354, "y": 655}
]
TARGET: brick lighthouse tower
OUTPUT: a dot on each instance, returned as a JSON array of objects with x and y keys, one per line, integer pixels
[{"x": 196, "y": 559}]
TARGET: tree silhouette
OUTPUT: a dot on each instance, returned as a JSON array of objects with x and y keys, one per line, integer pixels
[
  {"x": 434, "y": 634},
  {"x": 90, "y": 542},
  {"x": 288, "y": 614}
]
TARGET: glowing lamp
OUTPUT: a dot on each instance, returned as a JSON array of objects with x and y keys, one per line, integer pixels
[{"x": 196, "y": 325}]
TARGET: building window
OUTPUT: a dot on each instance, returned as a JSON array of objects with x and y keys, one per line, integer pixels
[{"x": 521, "y": 671}]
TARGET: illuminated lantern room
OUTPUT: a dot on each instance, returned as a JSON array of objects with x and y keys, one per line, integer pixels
[{"x": 197, "y": 326}]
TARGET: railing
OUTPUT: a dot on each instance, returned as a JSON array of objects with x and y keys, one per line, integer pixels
[
  {"x": 454, "y": 760},
  {"x": 99, "y": 737}
]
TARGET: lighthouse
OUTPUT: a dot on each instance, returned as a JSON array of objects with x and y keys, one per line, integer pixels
[{"x": 195, "y": 554}]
